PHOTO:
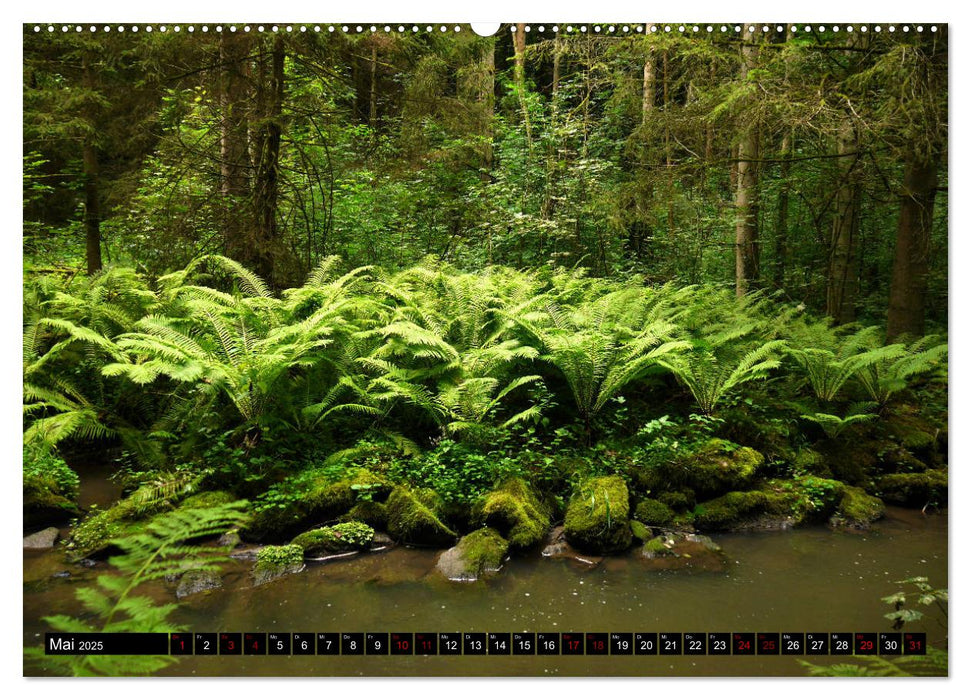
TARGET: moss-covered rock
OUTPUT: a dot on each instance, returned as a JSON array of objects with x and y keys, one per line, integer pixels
[
  {"x": 851, "y": 460},
  {"x": 731, "y": 510},
  {"x": 598, "y": 516},
  {"x": 681, "y": 500},
  {"x": 915, "y": 490},
  {"x": 309, "y": 500},
  {"x": 516, "y": 513},
  {"x": 719, "y": 466},
  {"x": 273, "y": 562},
  {"x": 641, "y": 532},
  {"x": 50, "y": 489},
  {"x": 92, "y": 536},
  {"x": 413, "y": 518},
  {"x": 342, "y": 537},
  {"x": 208, "y": 499},
  {"x": 857, "y": 510},
  {"x": 779, "y": 504},
  {"x": 44, "y": 502},
  {"x": 477, "y": 554},
  {"x": 369, "y": 512},
  {"x": 653, "y": 512},
  {"x": 675, "y": 551}
]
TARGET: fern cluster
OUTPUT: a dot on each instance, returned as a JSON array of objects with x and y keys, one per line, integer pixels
[{"x": 447, "y": 353}]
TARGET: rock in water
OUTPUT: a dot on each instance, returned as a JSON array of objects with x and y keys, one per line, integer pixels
[
  {"x": 598, "y": 517},
  {"x": 44, "y": 539},
  {"x": 274, "y": 562},
  {"x": 477, "y": 554},
  {"x": 196, "y": 582}
]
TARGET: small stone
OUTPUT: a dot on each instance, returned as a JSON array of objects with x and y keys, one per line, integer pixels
[
  {"x": 44, "y": 539},
  {"x": 196, "y": 582}
]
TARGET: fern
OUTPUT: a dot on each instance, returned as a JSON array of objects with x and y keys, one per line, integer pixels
[{"x": 159, "y": 550}]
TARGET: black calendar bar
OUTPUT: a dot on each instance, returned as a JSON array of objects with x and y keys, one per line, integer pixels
[{"x": 631, "y": 644}]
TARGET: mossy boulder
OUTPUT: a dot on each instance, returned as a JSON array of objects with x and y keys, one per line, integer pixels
[
  {"x": 369, "y": 512},
  {"x": 516, "y": 513},
  {"x": 328, "y": 501},
  {"x": 731, "y": 510},
  {"x": 342, "y": 537},
  {"x": 857, "y": 509},
  {"x": 598, "y": 516},
  {"x": 779, "y": 504},
  {"x": 652, "y": 512},
  {"x": 45, "y": 503},
  {"x": 50, "y": 489},
  {"x": 915, "y": 490},
  {"x": 273, "y": 562},
  {"x": 719, "y": 466},
  {"x": 674, "y": 551},
  {"x": 477, "y": 554},
  {"x": 208, "y": 499},
  {"x": 413, "y": 518},
  {"x": 851, "y": 460},
  {"x": 641, "y": 532},
  {"x": 681, "y": 500},
  {"x": 308, "y": 499},
  {"x": 92, "y": 536}
]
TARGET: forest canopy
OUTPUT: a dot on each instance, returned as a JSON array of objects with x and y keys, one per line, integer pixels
[{"x": 796, "y": 160}]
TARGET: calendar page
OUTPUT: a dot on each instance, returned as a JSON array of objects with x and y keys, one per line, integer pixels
[{"x": 561, "y": 348}]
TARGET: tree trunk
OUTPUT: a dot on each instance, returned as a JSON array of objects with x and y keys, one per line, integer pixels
[
  {"x": 92, "y": 209},
  {"x": 373, "y": 98},
  {"x": 234, "y": 157},
  {"x": 647, "y": 89},
  {"x": 266, "y": 182},
  {"x": 843, "y": 280},
  {"x": 746, "y": 196},
  {"x": 908, "y": 285},
  {"x": 92, "y": 193},
  {"x": 519, "y": 44},
  {"x": 782, "y": 215}
]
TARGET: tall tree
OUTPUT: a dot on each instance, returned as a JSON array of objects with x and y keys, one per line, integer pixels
[{"x": 746, "y": 194}]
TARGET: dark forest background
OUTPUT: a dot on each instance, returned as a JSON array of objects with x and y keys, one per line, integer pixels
[{"x": 812, "y": 164}]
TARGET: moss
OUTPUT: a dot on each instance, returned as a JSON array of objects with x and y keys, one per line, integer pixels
[
  {"x": 370, "y": 512},
  {"x": 858, "y": 509},
  {"x": 272, "y": 562},
  {"x": 208, "y": 499},
  {"x": 94, "y": 534},
  {"x": 655, "y": 547},
  {"x": 597, "y": 519},
  {"x": 726, "y": 511},
  {"x": 302, "y": 506},
  {"x": 678, "y": 500},
  {"x": 343, "y": 537},
  {"x": 811, "y": 461},
  {"x": 516, "y": 513},
  {"x": 640, "y": 531},
  {"x": 480, "y": 552},
  {"x": 45, "y": 501},
  {"x": 719, "y": 466},
  {"x": 916, "y": 490},
  {"x": 778, "y": 504},
  {"x": 331, "y": 500},
  {"x": 851, "y": 461},
  {"x": 652, "y": 512},
  {"x": 485, "y": 548},
  {"x": 413, "y": 518}
]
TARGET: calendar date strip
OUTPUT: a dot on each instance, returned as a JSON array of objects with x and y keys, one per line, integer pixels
[{"x": 488, "y": 643}]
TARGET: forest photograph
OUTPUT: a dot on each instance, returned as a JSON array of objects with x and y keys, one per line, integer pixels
[{"x": 599, "y": 327}]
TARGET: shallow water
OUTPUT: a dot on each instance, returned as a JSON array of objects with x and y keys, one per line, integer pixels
[{"x": 800, "y": 581}]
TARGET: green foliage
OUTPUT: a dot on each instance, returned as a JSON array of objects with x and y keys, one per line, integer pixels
[
  {"x": 934, "y": 663},
  {"x": 342, "y": 537},
  {"x": 49, "y": 468},
  {"x": 158, "y": 550}
]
